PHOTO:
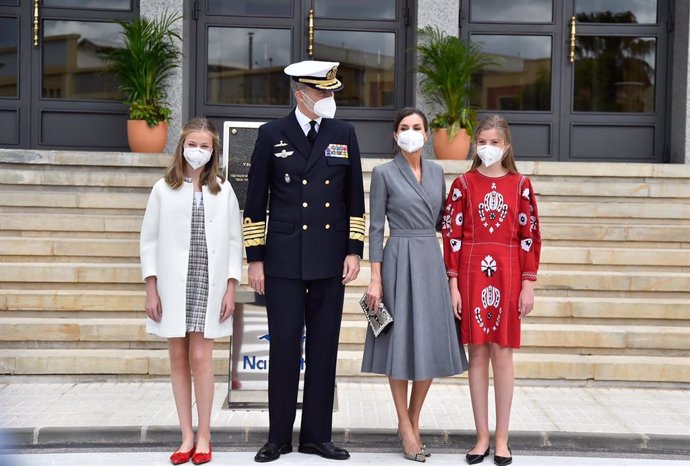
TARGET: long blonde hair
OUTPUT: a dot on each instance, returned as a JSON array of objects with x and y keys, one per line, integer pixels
[
  {"x": 174, "y": 175},
  {"x": 500, "y": 124}
]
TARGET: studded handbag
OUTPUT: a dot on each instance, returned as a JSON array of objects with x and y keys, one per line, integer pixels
[{"x": 379, "y": 319}]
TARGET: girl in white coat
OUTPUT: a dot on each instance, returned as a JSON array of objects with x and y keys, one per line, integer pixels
[{"x": 191, "y": 260}]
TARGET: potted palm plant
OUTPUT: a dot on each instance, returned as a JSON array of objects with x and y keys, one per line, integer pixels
[
  {"x": 142, "y": 66},
  {"x": 446, "y": 65}
]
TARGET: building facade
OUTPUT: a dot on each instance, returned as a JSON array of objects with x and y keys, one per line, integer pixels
[{"x": 579, "y": 80}]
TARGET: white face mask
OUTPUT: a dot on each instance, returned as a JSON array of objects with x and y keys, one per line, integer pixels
[
  {"x": 196, "y": 156},
  {"x": 489, "y": 154},
  {"x": 325, "y": 108},
  {"x": 410, "y": 140}
]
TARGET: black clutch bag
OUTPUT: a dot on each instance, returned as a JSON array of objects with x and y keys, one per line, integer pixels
[{"x": 379, "y": 319}]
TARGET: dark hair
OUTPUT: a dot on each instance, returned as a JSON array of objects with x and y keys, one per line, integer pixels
[
  {"x": 500, "y": 124},
  {"x": 407, "y": 111},
  {"x": 404, "y": 113},
  {"x": 174, "y": 176}
]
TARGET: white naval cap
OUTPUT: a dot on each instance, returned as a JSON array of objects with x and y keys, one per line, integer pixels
[{"x": 316, "y": 74}]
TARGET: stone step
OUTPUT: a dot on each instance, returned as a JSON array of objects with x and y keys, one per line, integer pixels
[
  {"x": 132, "y": 331},
  {"x": 151, "y": 362},
  {"x": 97, "y": 160},
  {"x": 560, "y": 179},
  {"x": 48, "y": 200},
  {"x": 96, "y": 302},
  {"x": 62, "y": 272},
  {"x": 56, "y": 176},
  {"x": 129, "y": 248},
  {"x": 93, "y": 160},
  {"x": 74, "y": 177}
]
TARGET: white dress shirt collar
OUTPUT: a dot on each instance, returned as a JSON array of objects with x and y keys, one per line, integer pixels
[{"x": 304, "y": 120}]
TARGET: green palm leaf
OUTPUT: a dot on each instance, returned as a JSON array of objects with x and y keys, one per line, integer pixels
[
  {"x": 446, "y": 65},
  {"x": 149, "y": 57}
]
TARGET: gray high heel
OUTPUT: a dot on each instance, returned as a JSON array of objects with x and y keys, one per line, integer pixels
[{"x": 418, "y": 457}]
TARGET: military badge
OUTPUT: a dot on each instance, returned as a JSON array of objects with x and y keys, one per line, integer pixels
[
  {"x": 337, "y": 150},
  {"x": 280, "y": 144},
  {"x": 284, "y": 153}
]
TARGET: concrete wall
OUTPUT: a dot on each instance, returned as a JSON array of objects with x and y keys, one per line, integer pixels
[
  {"x": 445, "y": 15},
  {"x": 178, "y": 86}
]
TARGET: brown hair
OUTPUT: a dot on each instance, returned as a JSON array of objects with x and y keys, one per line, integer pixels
[
  {"x": 500, "y": 124},
  {"x": 174, "y": 175},
  {"x": 404, "y": 113}
]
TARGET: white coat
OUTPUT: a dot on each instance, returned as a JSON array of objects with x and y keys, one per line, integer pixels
[{"x": 164, "y": 250}]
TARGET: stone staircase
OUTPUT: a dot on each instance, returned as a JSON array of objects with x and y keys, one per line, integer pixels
[{"x": 613, "y": 293}]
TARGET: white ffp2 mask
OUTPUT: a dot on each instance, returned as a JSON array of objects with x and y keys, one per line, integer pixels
[
  {"x": 410, "y": 140},
  {"x": 325, "y": 108},
  {"x": 196, "y": 156},
  {"x": 489, "y": 154}
]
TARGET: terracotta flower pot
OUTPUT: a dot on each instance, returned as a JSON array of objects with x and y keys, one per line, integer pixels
[
  {"x": 456, "y": 149},
  {"x": 142, "y": 138}
]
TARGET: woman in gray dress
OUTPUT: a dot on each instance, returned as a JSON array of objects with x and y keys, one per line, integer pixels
[{"x": 409, "y": 277}]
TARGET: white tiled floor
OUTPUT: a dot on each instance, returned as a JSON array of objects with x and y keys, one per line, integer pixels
[{"x": 361, "y": 405}]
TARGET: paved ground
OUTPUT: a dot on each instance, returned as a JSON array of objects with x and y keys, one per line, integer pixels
[
  {"x": 358, "y": 459},
  {"x": 545, "y": 418}
]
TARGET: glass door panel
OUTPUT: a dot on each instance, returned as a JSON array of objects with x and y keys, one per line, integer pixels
[
  {"x": 72, "y": 67},
  {"x": 521, "y": 78},
  {"x": 274, "y": 8},
  {"x": 615, "y": 74},
  {"x": 124, "y": 5},
  {"x": 356, "y": 9},
  {"x": 245, "y": 66},
  {"x": 568, "y": 102},
  {"x": 514, "y": 11},
  {"x": 9, "y": 53},
  {"x": 367, "y": 65},
  {"x": 616, "y": 11}
]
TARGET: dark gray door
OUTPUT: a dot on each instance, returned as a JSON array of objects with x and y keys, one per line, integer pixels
[
  {"x": 595, "y": 92},
  {"x": 54, "y": 91},
  {"x": 243, "y": 46}
]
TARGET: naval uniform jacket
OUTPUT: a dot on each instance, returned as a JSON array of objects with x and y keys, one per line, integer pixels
[{"x": 315, "y": 200}]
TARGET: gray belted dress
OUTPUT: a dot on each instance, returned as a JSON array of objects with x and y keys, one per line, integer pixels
[{"x": 423, "y": 341}]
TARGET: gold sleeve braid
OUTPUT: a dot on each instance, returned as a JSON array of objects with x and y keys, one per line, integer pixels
[
  {"x": 254, "y": 233},
  {"x": 357, "y": 228}
]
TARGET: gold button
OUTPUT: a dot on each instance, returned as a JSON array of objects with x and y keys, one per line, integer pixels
[
  {"x": 304, "y": 204},
  {"x": 328, "y": 227},
  {"x": 328, "y": 204},
  {"x": 327, "y": 181},
  {"x": 304, "y": 227},
  {"x": 304, "y": 181}
]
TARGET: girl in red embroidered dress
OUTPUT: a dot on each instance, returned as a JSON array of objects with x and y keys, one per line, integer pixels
[{"x": 491, "y": 245}]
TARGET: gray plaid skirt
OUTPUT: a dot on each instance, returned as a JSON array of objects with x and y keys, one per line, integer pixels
[{"x": 197, "y": 272}]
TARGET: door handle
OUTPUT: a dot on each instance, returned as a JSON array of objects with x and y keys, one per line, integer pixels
[
  {"x": 571, "y": 55},
  {"x": 36, "y": 23},
  {"x": 310, "y": 33}
]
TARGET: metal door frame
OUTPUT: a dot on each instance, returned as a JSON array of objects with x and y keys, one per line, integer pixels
[
  {"x": 560, "y": 118},
  {"x": 404, "y": 94}
]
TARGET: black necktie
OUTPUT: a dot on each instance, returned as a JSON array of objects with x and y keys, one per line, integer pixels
[{"x": 311, "y": 135}]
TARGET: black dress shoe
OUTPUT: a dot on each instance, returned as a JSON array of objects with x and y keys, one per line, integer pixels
[
  {"x": 326, "y": 450},
  {"x": 271, "y": 452},
  {"x": 476, "y": 459},
  {"x": 503, "y": 460}
]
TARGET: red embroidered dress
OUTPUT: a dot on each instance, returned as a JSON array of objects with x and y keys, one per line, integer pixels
[{"x": 491, "y": 242}]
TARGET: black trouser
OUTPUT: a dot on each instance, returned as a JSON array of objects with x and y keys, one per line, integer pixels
[{"x": 291, "y": 304}]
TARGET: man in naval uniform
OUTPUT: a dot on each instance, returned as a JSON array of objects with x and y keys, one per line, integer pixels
[{"x": 306, "y": 167}]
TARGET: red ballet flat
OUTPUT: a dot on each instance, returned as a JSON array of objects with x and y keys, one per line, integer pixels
[
  {"x": 201, "y": 458},
  {"x": 180, "y": 457}
]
